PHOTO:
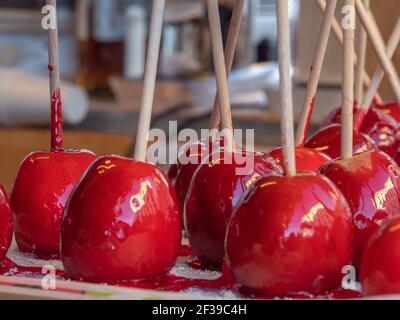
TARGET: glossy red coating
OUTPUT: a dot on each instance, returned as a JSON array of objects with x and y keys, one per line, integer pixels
[
  {"x": 328, "y": 140},
  {"x": 122, "y": 222},
  {"x": 385, "y": 137},
  {"x": 370, "y": 183},
  {"x": 372, "y": 116},
  {"x": 379, "y": 270},
  {"x": 6, "y": 224},
  {"x": 215, "y": 190},
  {"x": 189, "y": 158},
  {"x": 306, "y": 159},
  {"x": 290, "y": 235},
  {"x": 376, "y": 124},
  {"x": 57, "y": 140},
  {"x": 391, "y": 108},
  {"x": 40, "y": 192}
]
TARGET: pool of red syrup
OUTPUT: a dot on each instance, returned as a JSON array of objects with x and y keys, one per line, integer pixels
[{"x": 171, "y": 282}]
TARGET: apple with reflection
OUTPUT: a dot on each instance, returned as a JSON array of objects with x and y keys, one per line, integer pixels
[
  {"x": 306, "y": 159},
  {"x": 190, "y": 157},
  {"x": 390, "y": 108},
  {"x": 40, "y": 192},
  {"x": 370, "y": 183},
  {"x": 216, "y": 188},
  {"x": 379, "y": 270},
  {"x": 328, "y": 141},
  {"x": 122, "y": 222},
  {"x": 290, "y": 234}
]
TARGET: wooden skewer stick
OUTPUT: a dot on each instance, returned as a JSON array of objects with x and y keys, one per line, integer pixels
[
  {"x": 337, "y": 31},
  {"x": 361, "y": 58},
  {"x": 286, "y": 97},
  {"x": 322, "y": 43},
  {"x": 379, "y": 73},
  {"x": 347, "y": 82},
  {"x": 54, "y": 77},
  {"x": 150, "y": 76},
  {"x": 377, "y": 78},
  {"x": 52, "y": 36},
  {"x": 220, "y": 71},
  {"x": 379, "y": 46},
  {"x": 230, "y": 48}
]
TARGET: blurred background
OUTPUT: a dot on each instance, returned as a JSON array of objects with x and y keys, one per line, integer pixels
[{"x": 102, "y": 56}]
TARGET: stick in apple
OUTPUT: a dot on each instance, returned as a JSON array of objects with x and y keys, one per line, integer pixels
[
  {"x": 377, "y": 77},
  {"x": 337, "y": 30},
  {"x": 149, "y": 80},
  {"x": 220, "y": 71},
  {"x": 315, "y": 73},
  {"x": 361, "y": 58},
  {"x": 57, "y": 143},
  {"x": 348, "y": 81},
  {"x": 230, "y": 48},
  {"x": 286, "y": 98},
  {"x": 379, "y": 46}
]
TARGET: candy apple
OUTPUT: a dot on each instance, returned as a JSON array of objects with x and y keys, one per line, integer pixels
[
  {"x": 122, "y": 222},
  {"x": 306, "y": 159},
  {"x": 379, "y": 270},
  {"x": 6, "y": 224},
  {"x": 216, "y": 188},
  {"x": 372, "y": 116},
  {"x": 41, "y": 189},
  {"x": 290, "y": 234},
  {"x": 370, "y": 183},
  {"x": 328, "y": 140},
  {"x": 385, "y": 137},
  {"x": 390, "y": 108},
  {"x": 190, "y": 157},
  {"x": 377, "y": 125}
]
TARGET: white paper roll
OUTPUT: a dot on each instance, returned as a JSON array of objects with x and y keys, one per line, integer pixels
[{"x": 24, "y": 99}]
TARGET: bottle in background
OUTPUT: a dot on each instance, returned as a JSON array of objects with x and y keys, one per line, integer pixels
[{"x": 100, "y": 26}]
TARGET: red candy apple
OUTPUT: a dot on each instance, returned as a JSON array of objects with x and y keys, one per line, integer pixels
[
  {"x": 373, "y": 116},
  {"x": 41, "y": 189},
  {"x": 215, "y": 190},
  {"x": 190, "y": 157},
  {"x": 6, "y": 224},
  {"x": 290, "y": 235},
  {"x": 122, "y": 222},
  {"x": 381, "y": 128},
  {"x": 328, "y": 140},
  {"x": 390, "y": 108},
  {"x": 306, "y": 159},
  {"x": 370, "y": 183},
  {"x": 379, "y": 270},
  {"x": 385, "y": 137}
]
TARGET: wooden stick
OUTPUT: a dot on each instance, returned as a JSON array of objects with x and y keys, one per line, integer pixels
[
  {"x": 361, "y": 58},
  {"x": 220, "y": 71},
  {"x": 150, "y": 76},
  {"x": 52, "y": 36},
  {"x": 230, "y": 48},
  {"x": 337, "y": 31},
  {"x": 379, "y": 73},
  {"x": 284, "y": 54},
  {"x": 379, "y": 46},
  {"x": 315, "y": 73},
  {"x": 56, "y": 126},
  {"x": 377, "y": 78},
  {"x": 347, "y": 85}
]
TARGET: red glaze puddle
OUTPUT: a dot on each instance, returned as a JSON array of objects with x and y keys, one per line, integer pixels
[
  {"x": 175, "y": 283},
  {"x": 9, "y": 268}
]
